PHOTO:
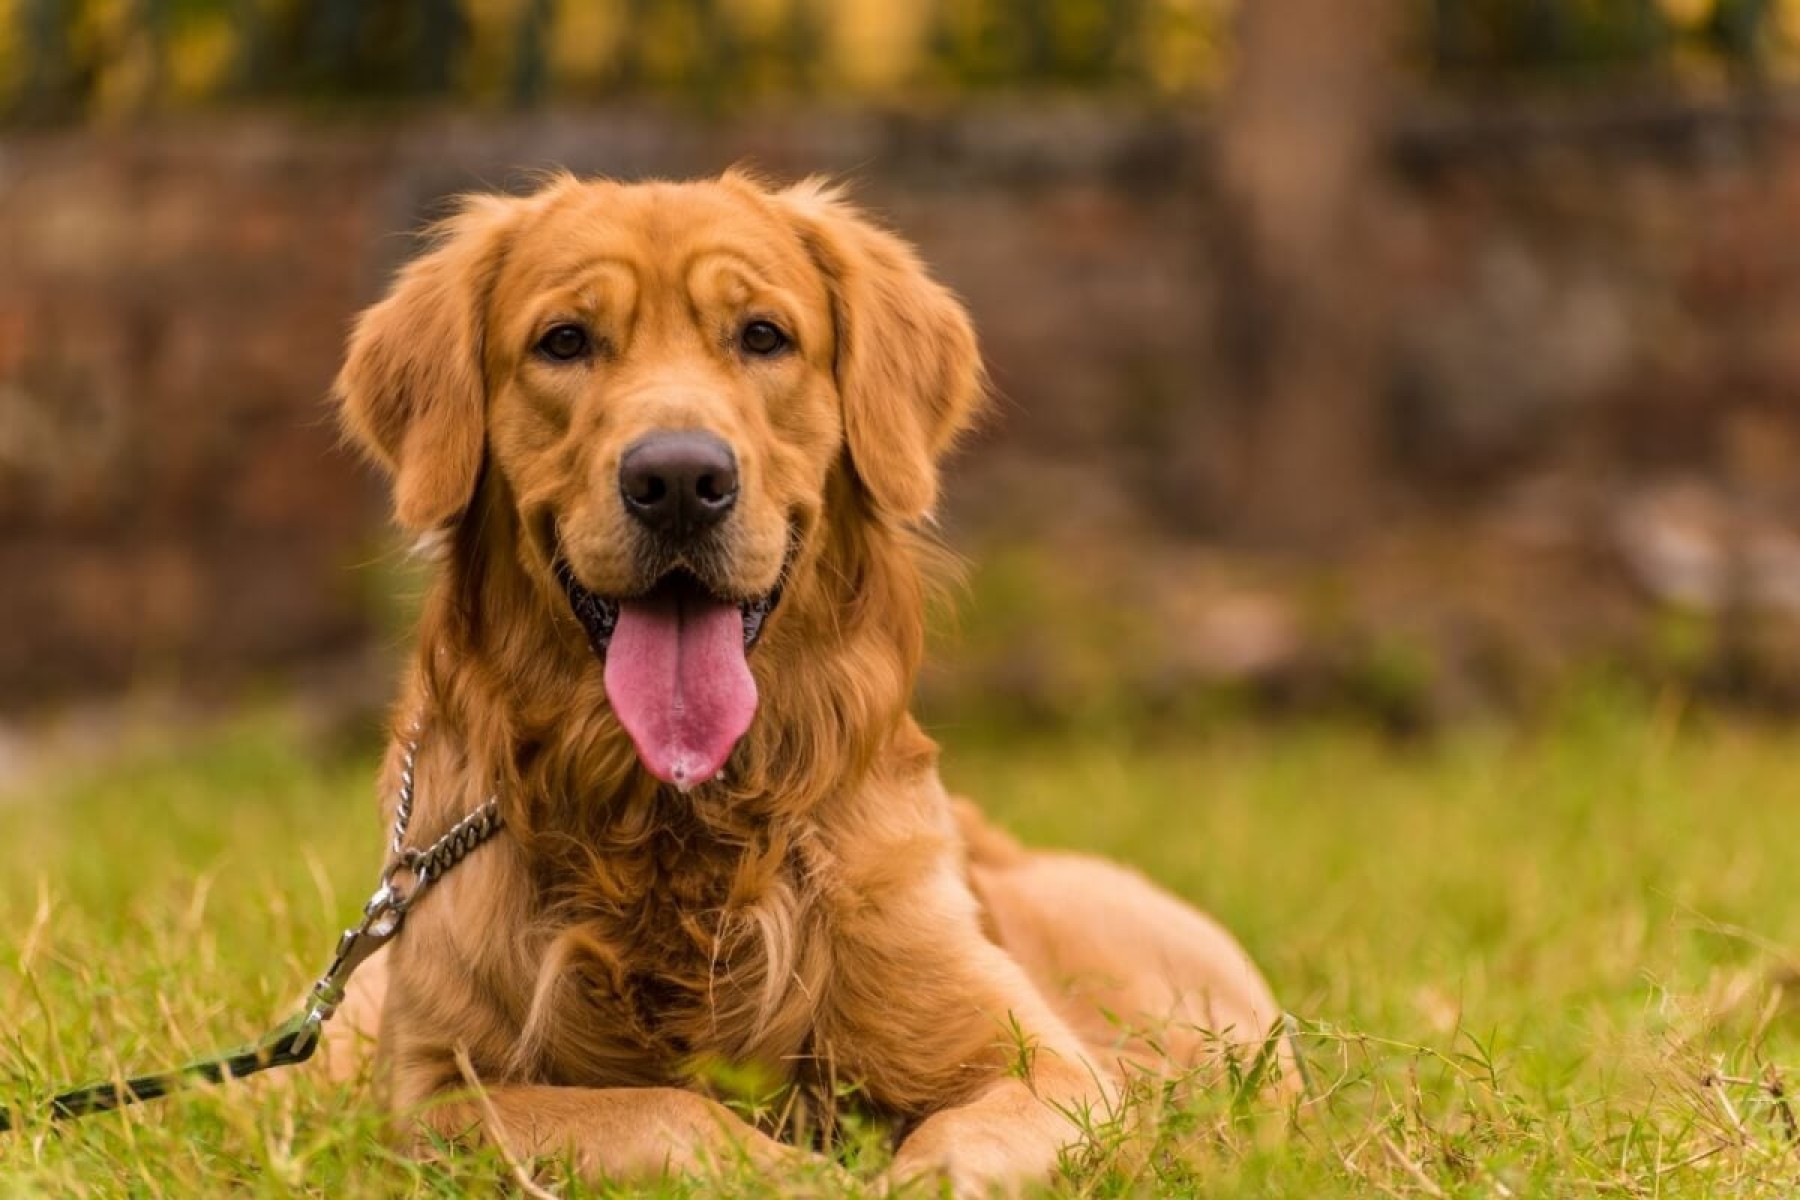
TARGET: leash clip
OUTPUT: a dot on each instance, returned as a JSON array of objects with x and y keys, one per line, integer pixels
[
  {"x": 381, "y": 921},
  {"x": 296, "y": 1038}
]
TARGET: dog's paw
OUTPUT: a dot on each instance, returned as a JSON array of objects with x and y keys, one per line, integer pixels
[{"x": 973, "y": 1168}]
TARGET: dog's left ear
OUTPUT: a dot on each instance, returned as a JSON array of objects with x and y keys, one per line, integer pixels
[
  {"x": 413, "y": 387},
  {"x": 908, "y": 370}
]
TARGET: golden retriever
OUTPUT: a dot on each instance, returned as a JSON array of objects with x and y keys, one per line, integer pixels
[{"x": 675, "y": 442}]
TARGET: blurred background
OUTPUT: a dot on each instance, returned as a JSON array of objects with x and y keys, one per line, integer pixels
[{"x": 1405, "y": 358}]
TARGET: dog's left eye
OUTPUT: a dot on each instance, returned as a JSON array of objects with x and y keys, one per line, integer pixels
[
  {"x": 564, "y": 343},
  {"x": 762, "y": 338}
]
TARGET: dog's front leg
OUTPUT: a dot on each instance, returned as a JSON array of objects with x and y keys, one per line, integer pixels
[
  {"x": 940, "y": 1023},
  {"x": 607, "y": 1133},
  {"x": 1008, "y": 1136}
]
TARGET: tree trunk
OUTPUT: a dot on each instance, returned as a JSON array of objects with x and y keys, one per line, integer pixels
[{"x": 1304, "y": 311}]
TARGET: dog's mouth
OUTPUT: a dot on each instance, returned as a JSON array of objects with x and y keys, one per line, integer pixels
[
  {"x": 599, "y": 616},
  {"x": 677, "y": 670}
]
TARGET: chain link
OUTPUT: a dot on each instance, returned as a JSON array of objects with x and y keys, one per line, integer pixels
[
  {"x": 426, "y": 866},
  {"x": 404, "y": 801},
  {"x": 409, "y": 872}
]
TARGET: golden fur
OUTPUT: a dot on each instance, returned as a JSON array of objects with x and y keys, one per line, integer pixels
[{"x": 824, "y": 911}]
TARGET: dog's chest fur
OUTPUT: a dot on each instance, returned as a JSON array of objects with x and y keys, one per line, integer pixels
[{"x": 676, "y": 949}]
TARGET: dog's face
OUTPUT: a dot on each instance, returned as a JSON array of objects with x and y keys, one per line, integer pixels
[{"x": 664, "y": 377}]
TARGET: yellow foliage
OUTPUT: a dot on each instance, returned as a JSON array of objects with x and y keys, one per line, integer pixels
[
  {"x": 876, "y": 47},
  {"x": 673, "y": 43},
  {"x": 487, "y": 64},
  {"x": 1687, "y": 14},
  {"x": 762, "y": 18},
  {"x": 1188, "y": 44},
  {"x": 127, "y": 60},
  {"x": 584, "y": 39},
  {"x": 10, "y": 64},
  {"x": 1787, "y": 24},
  {"x": 115, "y": 66},
  {"x": 200, "y": 58}
]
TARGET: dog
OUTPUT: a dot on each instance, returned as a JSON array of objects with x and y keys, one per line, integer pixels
[{"x": 676, "y": 446}]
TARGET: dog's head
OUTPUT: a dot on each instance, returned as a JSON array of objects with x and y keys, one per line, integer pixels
[{"x": 667, "y": 382}]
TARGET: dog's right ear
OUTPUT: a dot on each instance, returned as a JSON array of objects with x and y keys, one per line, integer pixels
[{"x": 413, "y": 386}]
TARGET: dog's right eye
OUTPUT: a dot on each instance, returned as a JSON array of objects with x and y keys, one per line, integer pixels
[{"x": 564, "y": 343}]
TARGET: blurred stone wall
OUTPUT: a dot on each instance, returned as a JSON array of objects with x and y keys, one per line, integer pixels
[
  {"x": 171, "y": 504},
  {"x": 1587, "y": 385}
]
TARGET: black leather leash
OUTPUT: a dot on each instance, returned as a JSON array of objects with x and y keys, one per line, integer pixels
[
  {"x": 408, "y": 874},
  {"x": 292, "y": 1043}
]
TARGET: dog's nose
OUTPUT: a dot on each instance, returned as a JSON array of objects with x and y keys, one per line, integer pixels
[{"x": 678, "y": 483}]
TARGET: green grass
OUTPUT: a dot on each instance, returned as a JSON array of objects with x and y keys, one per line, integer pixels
[{"x": 1526, "y": 963}]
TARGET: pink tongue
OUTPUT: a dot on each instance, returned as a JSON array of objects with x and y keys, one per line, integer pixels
[{"x": 676, "y": 677}]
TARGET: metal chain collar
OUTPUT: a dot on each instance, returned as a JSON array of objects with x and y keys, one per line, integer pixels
[
  {"x": 409, "y": 873},
  {"x": 407, "y": 876}
]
